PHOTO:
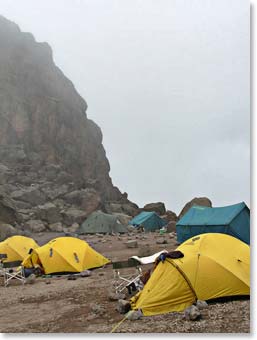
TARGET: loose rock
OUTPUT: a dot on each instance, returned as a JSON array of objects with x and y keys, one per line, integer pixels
[
  {"x": 132, "y": 244},
  {"x": 123, "y": 306},
  {"x": 201, "y": 304},
  {"x": 192, "y": 313}
]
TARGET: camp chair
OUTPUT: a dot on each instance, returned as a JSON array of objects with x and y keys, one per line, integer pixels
[
  {"x": 131, "y": 282},
  {"x": 13, "y": 271}
]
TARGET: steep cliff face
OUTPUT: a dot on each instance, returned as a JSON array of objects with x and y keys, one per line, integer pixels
[
  {"x": 43, "y": 118},
  {"x": 53, "y": 167}
]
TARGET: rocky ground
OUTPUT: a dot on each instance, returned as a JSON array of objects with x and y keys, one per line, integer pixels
[{"x": 60, "y": 305}]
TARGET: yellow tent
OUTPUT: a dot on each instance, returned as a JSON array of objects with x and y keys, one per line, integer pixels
[
  {"x": 65, "y": 254},
  {"x": 17, "y": 247},
  {"x": 214, "y": 265}
]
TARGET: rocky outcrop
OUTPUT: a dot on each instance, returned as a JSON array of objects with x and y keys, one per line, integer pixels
[
  {"x": 170, "y": 216},
  {"x": 43, "y": 118},
  {"x": 53, "y": 164},
  {"x": 203, "y": 201},
  {"x": 8, "y": 211},
  {"x": 158, "y": 207}
]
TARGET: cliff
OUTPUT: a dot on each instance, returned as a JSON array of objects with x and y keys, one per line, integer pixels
[{"x": 49, "y": 149}]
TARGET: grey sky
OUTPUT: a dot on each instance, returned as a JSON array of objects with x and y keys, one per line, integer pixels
[{"x": 168, "y": 82}]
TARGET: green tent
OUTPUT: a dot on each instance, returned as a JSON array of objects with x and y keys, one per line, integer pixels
[
  {"x": 233, "y": 220},
  {"x": 149, "y": 220},
  {"x": 99, "y": 222}
]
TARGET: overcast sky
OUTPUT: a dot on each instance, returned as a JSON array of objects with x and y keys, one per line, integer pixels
[{"x": 168, "y": 82}]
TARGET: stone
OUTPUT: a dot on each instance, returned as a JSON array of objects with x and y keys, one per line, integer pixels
[
  {"x": 53, "y": 192},
  {"x": 158, "y": 207},
  {"x": 56, "y": 227},
  {"x": 171, "y": 227},
  {"x": 6, "y": 230},
  {"x": 202, "y": 201},
  {"x": 134, "y": 315},
  {"x": 30, "y": 195},
  {"x": 172, "y": 235},
  {"x": 31, "y": 279},
  {"x": 85, "y": 273},
  {"x": 35, "y": 226},
  {"x": 99, "y": 235},
  {"x": 145, "y": 250},
  {"x": 123, "y": 306},
  {"x": 129, "y": 208},
  {"x": 192, "y": 313},
  {"x": 8, "y": 212},
  {"x": 97, "y": 309},
  {"x": 170, "y": 216},
  {"x": 73, "y": 215},
  {"x": 200, "y": 304},
  {"x": 161, "y": 241},
  {"x": 63, "y": 177},
  {"x": 113, "y": 296},
  {"x": 131, "y": 244},
  {"x": 49, "y": 213},
  {"x": 87, "y": 199}
]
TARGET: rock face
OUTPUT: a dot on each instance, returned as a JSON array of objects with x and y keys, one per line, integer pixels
[
  {"x": 158, "y": 207},
  {"x": 204, "y": 201},
  {"x": 51, "y": 154}
]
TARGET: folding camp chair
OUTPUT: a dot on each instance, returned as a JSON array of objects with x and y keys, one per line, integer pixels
[
  {"x": 131, "y": 282},
  {"x": 12, "y": 271}
]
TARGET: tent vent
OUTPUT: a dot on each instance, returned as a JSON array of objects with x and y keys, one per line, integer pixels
[
  {"x": 76, "y": 257},
  {"x": 51, "y": 252}
]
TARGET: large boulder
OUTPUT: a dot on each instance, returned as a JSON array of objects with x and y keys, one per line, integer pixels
[
  {"x": 49, "y": 213},
  {"x": 170, "y": 216},
  {"x": 56, "y": 227},
  {"x": 87, "y": 199},
  {"x": 31, "y": 195},
  {"x": 8, "y": 213},
  {"x": 6, "y": 230},
  {"x": 73, "y": 215},
  {"x": 171, "y": 227},
  {"x": 55, "y": 192},
  {"x": 158, "y": 207},
  {"x": 203, "y": 201},
  {"x": 128, "y": 208},
  {"x": 35, "y": 226}
]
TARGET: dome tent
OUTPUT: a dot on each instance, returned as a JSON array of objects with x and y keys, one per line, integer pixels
[
  {"x": 65, "y": 255},
  {"x": 149, "y": 220},
  {"x": 17, "y": 247},
  {"x": 99, "y": 222},
  {"x": 214, "y": 265}
]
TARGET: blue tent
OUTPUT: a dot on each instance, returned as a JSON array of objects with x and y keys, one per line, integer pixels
[
  {"x": 233, "y": 220},
  {"x": 149, "y": 220}
]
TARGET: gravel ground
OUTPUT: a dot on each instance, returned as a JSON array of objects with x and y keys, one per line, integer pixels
[{"x": 59, "y": 305}]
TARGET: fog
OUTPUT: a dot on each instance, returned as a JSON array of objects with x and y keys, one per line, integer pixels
[{"x": 168, "y": 82}]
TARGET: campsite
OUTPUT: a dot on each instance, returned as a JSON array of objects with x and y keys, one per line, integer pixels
[
  {"x": 124, "y": 167},
  {"x": 59, "y": 304}
]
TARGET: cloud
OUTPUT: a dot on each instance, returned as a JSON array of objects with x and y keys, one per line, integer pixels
[{"x": 168, "y": 82}]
